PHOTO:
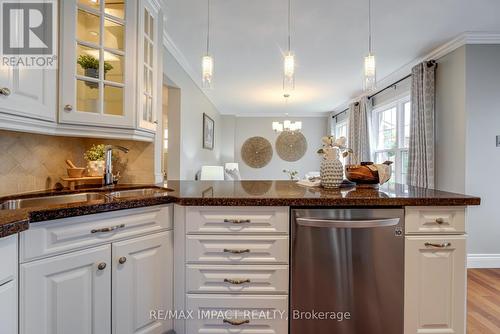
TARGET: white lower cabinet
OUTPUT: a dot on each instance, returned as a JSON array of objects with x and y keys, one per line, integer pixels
[
  {"x": 242, "y": 314},
  {"x": 435, "y": 284},
  {"x": 8, "y": 308},
  {"x": 142, "y": 282},
  {"x": 69, "y": 293}
]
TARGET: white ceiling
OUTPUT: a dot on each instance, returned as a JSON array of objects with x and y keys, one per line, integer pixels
[{"x": 329, "y": 38}]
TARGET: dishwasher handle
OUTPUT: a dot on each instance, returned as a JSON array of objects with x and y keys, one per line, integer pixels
[{"x": 336, "y": 223}]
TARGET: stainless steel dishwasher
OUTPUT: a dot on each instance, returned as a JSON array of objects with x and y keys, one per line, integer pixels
[{"x": 347, "y": 271}]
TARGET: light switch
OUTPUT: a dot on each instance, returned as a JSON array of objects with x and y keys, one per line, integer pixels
[{"x": 498, "y": 141}]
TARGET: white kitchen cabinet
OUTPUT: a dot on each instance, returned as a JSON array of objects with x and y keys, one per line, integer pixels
[
  {"x": 8, "y": 285},
  {"x": 142, "y": 282},
  {"x": 68, "y": 293},
  {"x": 435, "y": 284},
  {"x": 97, "y": 69},
  {"x": 29, "y": 93},
  {"x": 149, "y": 63}
]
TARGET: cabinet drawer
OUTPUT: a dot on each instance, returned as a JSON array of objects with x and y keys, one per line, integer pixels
[
  {"x": 63, "y": 235},
  {"x": 236, "y": 249},
  {"x": 8, "y": 258},
  {"x": 237, "y": 308},
  {"x": 237, "y": 220},
  {"x": 263, "y": 279},
  {"x": 435, "y": 220}
]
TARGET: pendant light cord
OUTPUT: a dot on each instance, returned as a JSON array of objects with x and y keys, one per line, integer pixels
[
  {"x": 289, "y": 25},
  {"x": 370, "y": 26},
  {"x": 208, "y": 26}
]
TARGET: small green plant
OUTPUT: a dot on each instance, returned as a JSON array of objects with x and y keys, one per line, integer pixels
[
  {"x": 95, "y": 153},
  {"x": 292, "y": 174},
  {"x": 88, "y": 61}
]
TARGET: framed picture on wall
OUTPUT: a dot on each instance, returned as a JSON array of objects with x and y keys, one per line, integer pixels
[{"x": 208, "y": 132}]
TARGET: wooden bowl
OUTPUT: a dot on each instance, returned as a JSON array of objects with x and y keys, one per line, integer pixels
[
  {"x": 361, "y": 174},
  {"x": 75, "y": 172}
]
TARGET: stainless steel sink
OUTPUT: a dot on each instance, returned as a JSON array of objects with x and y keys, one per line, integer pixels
[
  {"x": 50, "y": 200},
  {"x": 142, "y": 192}
]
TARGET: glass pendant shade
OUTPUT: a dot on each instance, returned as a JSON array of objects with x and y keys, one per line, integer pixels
[
  {"x": 289, "y": 72},
  {"x": 207, "y": 71},
  {"x": 287, "y": 125},
  {"x": 370, "y": 78}
]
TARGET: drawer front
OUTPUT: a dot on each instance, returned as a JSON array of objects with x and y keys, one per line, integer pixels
[
  {"x": 224, "y": 309},
  {"x": 8, "y": 258},
  {"x": 63, "y": 235},
  {"x": 219, "y": 220},
  {"x": 260, "y": 279},
  {"x": 236, "y": 249},
  {"x": 435, "y": 220}
]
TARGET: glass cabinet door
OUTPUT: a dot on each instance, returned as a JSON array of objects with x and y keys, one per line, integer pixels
[
  {"x": 97, "y": 62},
  {"x": 148, "y": 64}
]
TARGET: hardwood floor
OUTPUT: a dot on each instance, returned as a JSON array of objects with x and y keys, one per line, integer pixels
[{"x": 483, "y": 301}]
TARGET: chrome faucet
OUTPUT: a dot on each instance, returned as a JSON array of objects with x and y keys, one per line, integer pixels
[{"x": 108, "y": 168}]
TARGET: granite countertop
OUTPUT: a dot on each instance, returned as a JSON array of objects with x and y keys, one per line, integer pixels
[{"x": 228, "y": 193}]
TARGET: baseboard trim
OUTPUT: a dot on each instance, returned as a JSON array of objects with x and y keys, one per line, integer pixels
[{"x": 483, "y": 261}]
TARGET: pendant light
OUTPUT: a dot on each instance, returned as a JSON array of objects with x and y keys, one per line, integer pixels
[
  {"x": 207, "y": 61},
  {"x": 289, "y": 58},
  {"x": 287, "y": 125},
  {"x": 370, "y": 77}
]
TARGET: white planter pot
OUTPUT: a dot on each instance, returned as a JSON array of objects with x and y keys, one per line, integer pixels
[{"x": 95, "y": 168}]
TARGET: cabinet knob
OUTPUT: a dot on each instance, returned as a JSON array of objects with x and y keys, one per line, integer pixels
[
  {"x": 68, "y": 107},
  {"x": 155, "y": 122},
  {"x": 122, "y": 260},
  {"x": 4, "y": 91},
  {"x": 101, "y": 266},
  {"x": 439, "y": 221}
]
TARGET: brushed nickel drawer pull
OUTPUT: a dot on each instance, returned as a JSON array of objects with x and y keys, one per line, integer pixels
[
  {"x": 236, "y": 281},
  {"x": 107, "y": 229},
  {"x": 439, "y": 221},
  {"x": 4, "y": 91},
  {"x": 235, "y": 323},
  {"x": 236, "y": 251},
  {"x": 237, "y": 221},
  {"x": 443, "y": 245}
]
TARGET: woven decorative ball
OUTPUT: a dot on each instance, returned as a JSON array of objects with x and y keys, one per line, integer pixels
[{"x": 331, "y": 173}]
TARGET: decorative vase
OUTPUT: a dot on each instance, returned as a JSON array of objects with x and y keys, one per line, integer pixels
[
  {"x": 92, "y": 73},
  {"x": 331, "y": 173},
  {"x": 95, "y": 168}
]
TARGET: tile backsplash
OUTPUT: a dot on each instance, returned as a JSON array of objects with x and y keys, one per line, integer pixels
[{"x": 31, "y": 162}]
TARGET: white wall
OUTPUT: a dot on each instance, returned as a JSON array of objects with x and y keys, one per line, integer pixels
[
  {"x": 193, "y": 103},
  {"x": 450, "y": 122},
  {"x": 228, "y": 128},
  {"x": 483, "y": 157},
  {"x": 313, "y": 129},
  {"x": 467, "y": 159}
]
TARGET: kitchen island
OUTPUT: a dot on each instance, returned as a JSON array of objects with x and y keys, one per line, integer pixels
[{"x": 231, "y": 242}]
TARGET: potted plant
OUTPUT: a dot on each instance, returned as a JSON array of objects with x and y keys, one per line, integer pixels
[
  {"x": 332, "y": 170},
  {"x": 95, "y": 156},
  {"x": 90, "y": 67}
]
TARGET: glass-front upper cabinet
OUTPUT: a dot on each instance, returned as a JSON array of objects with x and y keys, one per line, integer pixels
[
  {"x": 149, "y": 64},
  {"x": 98, "y": 64}
]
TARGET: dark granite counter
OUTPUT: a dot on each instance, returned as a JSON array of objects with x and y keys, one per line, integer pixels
[{"x": 227, "y": 193}]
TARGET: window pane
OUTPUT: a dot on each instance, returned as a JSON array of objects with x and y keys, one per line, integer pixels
[
  {"x": 94, "y": 4},
  {"x": 387, "y": 125},
  {"x": 113, "y": 35},
  {"x": 115, "y": 8},
  {"x": 113, "y": 100},
  {"x": 404, "y": 166},
  {"x": 87, "y": 96},
  {"x": 87, "y": 27},
  {"x": 407, "y": 118},
  {"x": 113, "y": 67},
  {"x": 87, "y": 61}
]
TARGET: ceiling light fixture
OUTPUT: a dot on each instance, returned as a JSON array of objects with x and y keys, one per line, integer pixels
[
  {"x": 289, "y": 58},
  {"x": 287, "y": 125},
  {"x": 207, "y": 61},
  {"x": 370, "y": 78}
]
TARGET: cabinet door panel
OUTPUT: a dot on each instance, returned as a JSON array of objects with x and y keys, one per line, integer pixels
[
  {"x": 142, "y": 282},
  {"x": 435, "y": 285},
  {"x": 67, "y": 294},
  {"x": 8, "y": 308}
]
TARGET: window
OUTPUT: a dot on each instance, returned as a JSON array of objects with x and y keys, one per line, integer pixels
[
  {"x": 391, "y": 128},
  {"x": 341, "y": 129}
]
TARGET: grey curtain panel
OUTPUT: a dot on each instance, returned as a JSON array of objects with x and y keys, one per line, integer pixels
[
  {"x": 422, "y": 135},
  {"x": 359, "y": 131}
]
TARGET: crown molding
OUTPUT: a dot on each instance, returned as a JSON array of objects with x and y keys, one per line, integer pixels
[
  {"x": 184, "y": 64},
  {"x": 439, "y": 52},
  {"x": 281, "y": 115}
]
